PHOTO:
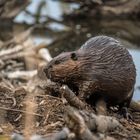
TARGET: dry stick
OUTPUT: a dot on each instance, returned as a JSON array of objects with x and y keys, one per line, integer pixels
[
  {"x": 19, "y": 46},
  {"x": 108, "y": 123},
  {"x": 75, "y": 101},
  {"x": 77, "y": 124},
  {"x": 29, "y": 118},
  {"x": 44, "y": 53},
  {"x": 72, "y": 98},
  {"x": 82, "y": 126},
  {"x": 22, "y": 111},
  {"x": 22, "y": 74},
  {"x": 16, "y": 55},
  {"x": 11, "y": 51}
]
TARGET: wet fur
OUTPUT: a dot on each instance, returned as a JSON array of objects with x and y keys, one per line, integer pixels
[{"x": 101, "y": 61}]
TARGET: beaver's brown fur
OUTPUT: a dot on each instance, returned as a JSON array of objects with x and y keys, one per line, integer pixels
[{"x": 102, "y": 67}]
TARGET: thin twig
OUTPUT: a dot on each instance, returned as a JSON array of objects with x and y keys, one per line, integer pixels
[{"x": 22, "y": 111}]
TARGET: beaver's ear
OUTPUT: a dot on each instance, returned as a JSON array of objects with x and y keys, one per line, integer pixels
[{"x": 74, "y": 56}]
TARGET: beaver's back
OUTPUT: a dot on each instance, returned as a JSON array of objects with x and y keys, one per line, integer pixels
[{"x": 105, "y": 60}]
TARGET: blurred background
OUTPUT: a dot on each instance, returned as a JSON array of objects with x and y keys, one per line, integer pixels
[{"x": 64, "y": 25}]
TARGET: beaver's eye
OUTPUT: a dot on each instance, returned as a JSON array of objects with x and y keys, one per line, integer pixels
[
  {"x": 74, "y": 56},
  {"x": 57, "y": 62}
]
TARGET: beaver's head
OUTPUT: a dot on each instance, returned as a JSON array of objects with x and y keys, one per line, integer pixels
[{"x": 62, "y": 67}]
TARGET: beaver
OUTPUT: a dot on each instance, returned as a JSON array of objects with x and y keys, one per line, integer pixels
[{"x": 101, "y": 68}]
